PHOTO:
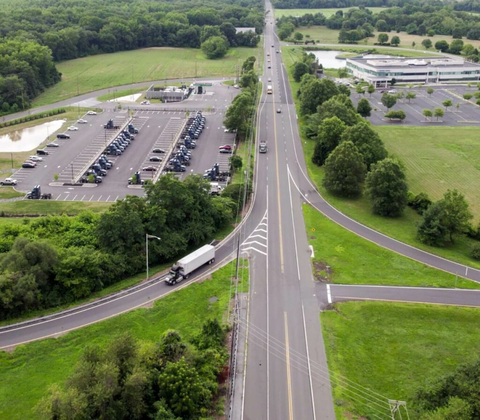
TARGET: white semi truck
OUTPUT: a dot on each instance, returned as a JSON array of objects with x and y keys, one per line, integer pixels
[{"x": 182, "y": 269}]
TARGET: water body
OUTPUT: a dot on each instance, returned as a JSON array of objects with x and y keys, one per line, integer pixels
[
  {"x": 28, "y": 138},
  {"x": 128, "y": 98},
  {"x": 328, "y": 61}
]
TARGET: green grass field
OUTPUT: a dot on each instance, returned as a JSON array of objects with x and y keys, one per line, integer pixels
[
  {"x": 402, "y": 228},
  {"x": 324, "y": 35},
  {"x": 32, "y": 368},
  {"x": 108, "y": 70},
  {"x": 354, "y": 260},
  {"x": 9, "y": 192},
  {"x": 114, "y": 95},
  {"x": 49, "y": 207},
  {"x": 438, "y": 158},
  {"x": 325, "y": 12},
  {"x": 395, "y": 349}
]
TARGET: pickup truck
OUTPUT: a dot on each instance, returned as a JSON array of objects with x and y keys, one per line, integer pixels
[{"x": 8, "y": 181}]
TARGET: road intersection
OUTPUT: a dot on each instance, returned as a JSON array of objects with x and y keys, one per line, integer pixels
[{"x": 287, "y": 376}]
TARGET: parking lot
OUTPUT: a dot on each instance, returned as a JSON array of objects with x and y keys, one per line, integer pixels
[
  {"x": 467, "y": 112},
  {"x": 159, "y": 126}
]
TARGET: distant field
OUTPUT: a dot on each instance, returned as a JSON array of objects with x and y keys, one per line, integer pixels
[
  {"x": 394, "y": 349},
  {"x": 108, "y": 70},
  {"x": 438, "y": 158},
  {"x": 32, "y": 368},
  {"x": 330, "y": 36},
  {"x": 325, "y": 12}
]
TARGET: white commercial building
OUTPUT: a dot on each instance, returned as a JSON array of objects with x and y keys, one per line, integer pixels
[{"x": 381, "y": 71}]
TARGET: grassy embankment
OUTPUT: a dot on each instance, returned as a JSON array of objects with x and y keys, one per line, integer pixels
[
  {"x": 6, "y": 162},
  {"x": 394, "y": 349},
  {"x": 8, "y": 192},
  {"x": 49, "y": 207},
  {"x": 354, "y": 260},
  {"x": 32, "y": 368},
  {"x": 402, "y": 228},
  {"x": 108, "y": 70}
]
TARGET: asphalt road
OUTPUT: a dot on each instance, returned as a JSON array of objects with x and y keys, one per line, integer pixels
[{"x": 287, "y": 375}]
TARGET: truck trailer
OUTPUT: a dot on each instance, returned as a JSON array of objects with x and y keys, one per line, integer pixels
[{"x": 184, "y": 267}]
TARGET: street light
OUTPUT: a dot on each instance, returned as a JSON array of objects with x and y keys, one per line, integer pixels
[{"x": 147, "y": 237}]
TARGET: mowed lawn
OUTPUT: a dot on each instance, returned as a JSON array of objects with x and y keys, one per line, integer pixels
[
  {"x": 325, "y": 12},
  {"x": 394, "y": 349},
  {"x": 437, "y": 159},
  {"x": 31, "y": 369},
  {"x": 106, "y": 70},
  {"x": 354, "y": 260},
  {"x": 50, "y": 207},
  {"x": 324, "y": 35}
]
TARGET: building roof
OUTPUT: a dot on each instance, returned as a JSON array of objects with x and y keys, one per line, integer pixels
[
  {"x": 243, "y": 30},
  {"x": 404, "y": 63}
]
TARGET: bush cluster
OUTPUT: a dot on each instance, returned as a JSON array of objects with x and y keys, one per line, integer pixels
[{"x": 33, "y": 117}]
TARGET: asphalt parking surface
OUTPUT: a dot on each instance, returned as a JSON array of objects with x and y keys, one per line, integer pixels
[
  {"x": 159, "y": 125},
  {"x": 468, "y": 114}
]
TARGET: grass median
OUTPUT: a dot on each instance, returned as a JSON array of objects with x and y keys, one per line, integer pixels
[
  {"x": 32, "y": 368},
  {"x": 393, "y": 350},
  {"x": 101, "y": 71},
  {"x": 354, "y": 260}
]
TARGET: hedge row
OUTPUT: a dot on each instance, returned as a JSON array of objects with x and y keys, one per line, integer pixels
[{"x": 32, "y": 117}]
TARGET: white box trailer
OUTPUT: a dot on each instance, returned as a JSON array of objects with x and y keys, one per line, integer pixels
[{"x": 182, "y": 269}]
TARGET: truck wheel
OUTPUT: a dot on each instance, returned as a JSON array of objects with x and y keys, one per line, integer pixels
[
  {"x": 186, "y": 277},
  {"x": 174, "y": 282},
  {"x": 212, "y": 261}
]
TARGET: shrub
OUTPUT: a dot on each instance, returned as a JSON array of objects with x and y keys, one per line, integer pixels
[
  {"x": 475, "y": 252},
  {"x": 419, "y": 202}
]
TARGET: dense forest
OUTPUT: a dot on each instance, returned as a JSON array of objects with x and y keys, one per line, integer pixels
[
  {"x": 59, "y": 259},
  {"x": 77, "y": 28},
  {"x": 323, "y": 4}
]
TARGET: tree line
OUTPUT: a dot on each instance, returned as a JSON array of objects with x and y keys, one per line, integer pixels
[
  {"x": 413, "y": 17},
  {"x": 37, "y": 33},
  {"x": 171, "y": 379},
  {"x": 56, "y": 260},
  {"x": 26, "y": 70},
  {"x": 355, "y": 160}
]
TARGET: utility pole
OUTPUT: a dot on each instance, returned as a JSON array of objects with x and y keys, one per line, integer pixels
[{"x": 147, "y": 237}]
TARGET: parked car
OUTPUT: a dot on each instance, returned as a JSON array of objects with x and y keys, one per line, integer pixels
[
  {"x": 28, "y": 165},
  {"x": 392, "y": 91},
  {"x": 155, "y": 159},
  {"x": 8, "y": 181},
  {"x": 63, "y": 136},
  {"x": 158, "y": 151},
  {"x": 226, "y": 147},
  {"x": 383, "y": 91},
  {"x": 35, "y": 158},
  {"x": 42, "y": 152},
  {"x": 82, "y": 121},
  {"x": 145, "y": 103},
  {"x": 72, "y": 128},
  {"x": 225, "y": 150},
  {"x": 92, "y": 113},
  {"x": 236, "y": 86},
  {"x": 53, "y": 144},
  {"x": 149, "y": 169}
]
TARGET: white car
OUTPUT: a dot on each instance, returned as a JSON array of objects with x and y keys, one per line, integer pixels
[
  {"x": 392, "y": 91},
  {"x": 145, "y": 103},
  {"x": 35, "y": 158},
  {"x": 72, "y": 128},
  {"x": 91, "y": 113},
  {"x": 82, "y": 121},
  {"x": 8, "y": 181},
  {"x": 236, "y": 86}
]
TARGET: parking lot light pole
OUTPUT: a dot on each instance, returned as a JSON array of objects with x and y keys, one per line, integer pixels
[{"x": 147, "y": 237}]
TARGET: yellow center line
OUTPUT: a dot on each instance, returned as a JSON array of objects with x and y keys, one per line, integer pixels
[
  {"x": 289, "y": 379},
  {"x": 278, "y": 180}
]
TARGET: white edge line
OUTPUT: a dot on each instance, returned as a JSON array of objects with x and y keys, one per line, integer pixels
[
  {"x": 329, "y": 295},
  {"x": 309, "y": 367}
]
